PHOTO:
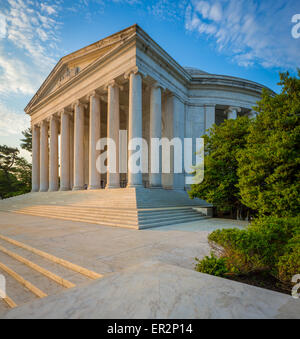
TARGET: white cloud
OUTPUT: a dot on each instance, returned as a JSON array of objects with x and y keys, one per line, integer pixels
[
  {"x": 12, "y": 123},
  {"x": 2, "y": 26},
  {"x": 28, "y": 50},
  {"x": 48, "y": 9},
  {"x": 250, "y": 32},
  {"x": 16, "y": 76}
]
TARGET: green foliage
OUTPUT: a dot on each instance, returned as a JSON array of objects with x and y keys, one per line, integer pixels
[
  {"x": 26, "y": 142},
  {"x": 212, "y": 265},
  {"x": 270, "y": 244},
  {"x": 220, "y": 183},
  {"x": 268, "y": 167},
  {"x": 289, "y": 264},
  {"x": 15, "y": 173},
  {"x": 8, "y": 157},
  {"x": 254, "y": 164}
]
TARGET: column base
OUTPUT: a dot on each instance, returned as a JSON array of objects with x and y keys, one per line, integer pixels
[
  {"x": 158, "y": 187},
  {"x": 35, "y": 190},
  {"x": 134, "y": 186},
  {"x": 64, "y": 189},
  {"x": 109, "y": 187},
  {"x": 43, "y": 190},
  {"x": 53, "y": 190},
  {"x": 78, "y": 188},
  {"x": 93, "y": 188}
]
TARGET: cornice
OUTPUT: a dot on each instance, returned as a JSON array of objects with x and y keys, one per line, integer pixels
[
  {"x": 147, "y": 45},
  {"x": 135, "y": 36},
  {"x": 225, "y": 81}
]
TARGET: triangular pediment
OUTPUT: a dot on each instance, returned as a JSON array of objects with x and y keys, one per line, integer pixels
[{"x": 71, "y": 65}]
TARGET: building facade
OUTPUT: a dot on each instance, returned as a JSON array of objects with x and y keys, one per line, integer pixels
[{"x": 124, "y": 82}]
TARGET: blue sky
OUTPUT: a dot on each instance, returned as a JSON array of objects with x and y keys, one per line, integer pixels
[{"x": 244, "y": 38}]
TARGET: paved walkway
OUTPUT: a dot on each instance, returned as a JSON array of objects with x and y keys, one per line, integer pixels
[
  {"x": 109, "y": 249},
  {"x": 116, "y": 252},
  {"x": 154, "y": 290}
]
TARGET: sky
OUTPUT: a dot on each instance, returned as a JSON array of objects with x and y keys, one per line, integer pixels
[{"x": 244, "y": 38}]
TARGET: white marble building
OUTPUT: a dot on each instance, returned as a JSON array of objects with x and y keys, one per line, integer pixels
[{"x": 123, "y": 82}]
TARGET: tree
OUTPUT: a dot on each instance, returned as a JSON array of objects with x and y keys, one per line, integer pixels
[
  {"x": 26, "y": 142},
  {"x": 269, "y": 179},
  {"x": 15, "y": 173},
  {"x": 8, "y": 157},
  {"x": 220, "y": 177}
]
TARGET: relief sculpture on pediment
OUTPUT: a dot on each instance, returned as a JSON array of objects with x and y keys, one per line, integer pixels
[{"x": 67, "y": 75}]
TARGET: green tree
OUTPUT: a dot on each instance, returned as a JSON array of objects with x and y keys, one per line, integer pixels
[
  {"x": 8, "y": 157},
  {"x": 268, "y": 167},
  {"x": 26, "y": 142},
  {"x": 15, "y": 173},
  {"x": 220, "y": 180}
]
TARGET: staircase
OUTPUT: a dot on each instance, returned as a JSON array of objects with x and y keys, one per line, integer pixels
[
  {"x": 31, "y": 274},
  {"x": 130, "y": 208}
]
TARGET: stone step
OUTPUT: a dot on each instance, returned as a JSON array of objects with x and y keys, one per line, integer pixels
[
  {"x": 168, "y": 223},
  {"x": 108, "y": 216},
  {"x": 121, "y": 207},
  {"x": 146, "y": 223},
  {"x": 82, "y": 219},
  {"x": 31, "y": 274},
  {"x": 90, "y": 211},
  {"x": 92, "y": 217}
]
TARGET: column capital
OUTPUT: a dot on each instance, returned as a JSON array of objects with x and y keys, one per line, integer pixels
[
  {"x": 94, "y": 94},
  {"x": 170, "y": 94},
  {"x": 234, "y": 108},
  {"x": 155, "y": 85},
  {"x": 44, "y": 122},
  {"x": 114, "y": 83},
  {"x": 134, "y": 70},
  {"x": 78, "y": 103},
  {"x": 64, "y": 111},
  {"x": 210, "y": 105},
  {"x": 55, "y": 117}
]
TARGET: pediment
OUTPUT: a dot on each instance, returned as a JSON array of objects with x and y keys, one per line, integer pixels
[{"x": 71, "y": 65}]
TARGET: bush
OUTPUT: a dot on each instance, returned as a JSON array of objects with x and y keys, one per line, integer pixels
[
  {"x": 212, "y": 265},
  {"x": 270, "y": 244},
  {"x": 289, "y": 264}
]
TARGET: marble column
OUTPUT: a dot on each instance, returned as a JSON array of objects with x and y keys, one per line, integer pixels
[
  {"x": 35, "y": 158},
  {"x": 71, "y": 151},
  {"x": 53, "y": 185},
  {"x": 78, "y": 146},
  {"x": 44, "y": 157},
  {"x": 65, "y": 152},
  {"x": 155, "y": 179},
  {"x": 94, "y": 175},
  {"x": 232, "y": 112},
  {"x": 252, "y": 114},
  {"x": 113, "y": 127},
  {"x": 135, "y": 123},
  {"x": 210, "y": 116},
  {"x": 178, "y": 110}
]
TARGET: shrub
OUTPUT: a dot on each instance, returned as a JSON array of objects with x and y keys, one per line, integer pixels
[
  {"x": 270, "y": 244},
  {"x": 212, "y": 265},
  {"x": 289, "y": 264}
]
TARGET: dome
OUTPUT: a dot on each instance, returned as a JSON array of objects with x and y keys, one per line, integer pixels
[{"x": 194, "y": 71}]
